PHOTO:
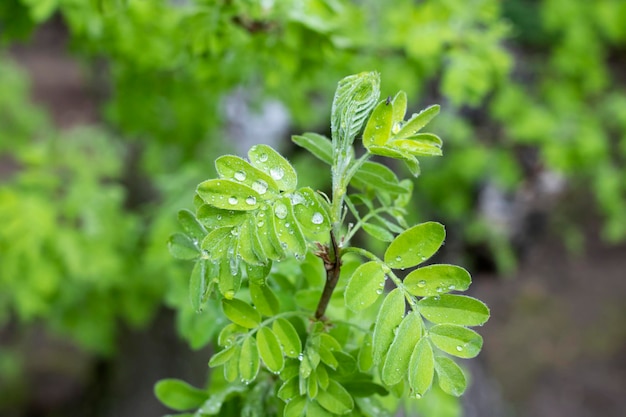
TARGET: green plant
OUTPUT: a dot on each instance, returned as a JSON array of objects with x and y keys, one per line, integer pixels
[{"x": 310, "y": 330}]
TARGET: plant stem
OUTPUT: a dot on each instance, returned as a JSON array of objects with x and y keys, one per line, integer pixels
[{"x": 332, "y": 264}]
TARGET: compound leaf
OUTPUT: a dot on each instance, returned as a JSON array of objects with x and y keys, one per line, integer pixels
[{"x": 228, "y": 195}]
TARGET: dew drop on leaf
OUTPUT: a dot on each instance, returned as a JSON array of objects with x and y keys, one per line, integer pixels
[
  {"x": 263, "y": 157},
  {"x": 421, "y": 284},
  {"x": 260, "y": 186},
  {"x": 379, "y": 291},
  {"x": 240, "y": 176},
  {"x": 296, "y": 199},
  {"x": 317, "y": 218},
  {"x": 251, "y": 200},
  {"x": 280, "y": 211},
  {"x": 219, "y": 217},
  {"x": 260, "y": 223},
  {"x": 233, "y": 200},
  {"x": 398, "y": 258},
  {"x": 459, "y": 348},
  {"x": 277, "y": 173},
  {"x": 451, "y": 287}
]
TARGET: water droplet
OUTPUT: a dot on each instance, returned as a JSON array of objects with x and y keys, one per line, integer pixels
[
  {"x": 421, "y": 283},
  {"x": 233, "y": 200},
  {"x": 263, "y": 157},
  {"x": 396, "y": 127},
  {"x": 459, "y": 348},
  {"x": 240, "y": 176},
  {"x": 260, "y": 186},
  {"x": 260, "y": 223},
  {"x": 317, "y": 218},
  {"x": 296, "y": 199},
  {"x": 287, "y": 224},
  {"x": 379, "y": 291},
  {"x": 292, "y": 352},
  {"x": 418, "y": 396},
  {"x": 219, "y": 217},
  {"x": 280, "y": 210},
  {"x": 251, "y": 200},
  {"x": 277, "y": 173},
  {"x": 300, "y": 356},
  {"x": 436, "y": 298},
  {"x": 398, "y": 258},
  {"x": 439, "y": 289},
  {"x": 451, "y": 287}
]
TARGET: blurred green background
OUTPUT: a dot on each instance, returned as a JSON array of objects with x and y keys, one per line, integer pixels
[{"x": 111, "y": 111}]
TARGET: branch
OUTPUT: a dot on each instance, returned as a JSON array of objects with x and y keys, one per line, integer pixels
[{"x": 332, "y": 265}]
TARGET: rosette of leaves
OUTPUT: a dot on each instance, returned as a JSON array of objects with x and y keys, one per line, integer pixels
[{"x": 283, "y": 355}]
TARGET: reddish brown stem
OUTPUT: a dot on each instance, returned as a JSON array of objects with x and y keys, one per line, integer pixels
[{"x": 332, "y": 264}]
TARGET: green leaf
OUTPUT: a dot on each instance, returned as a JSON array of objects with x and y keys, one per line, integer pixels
[
  {"x": 378, "y": 128},
  {"x": 328, "y": 358},
  {"x": 399, "y": 355},
  {"x": 270, "y": 350},
  {"x": 295, "y": 407},
  {"x": 228, "y": 195},
  {"x": 222, "y": 356},
  {"x": 287, "y": 229},
  {"x": 312, "y": 387},
  {"x": 335, "y": 398},
  {"x": 415, "y": 245},
  {"x": 237, "y": 169},
  {"x": 450, "y": 376},
  {"x": 288, "y": 337},
  {"x": 437, "y": 279},
  {"x": 378, "y": 176},
  {"x": 231, "y": 367},
  {"x": 389, "y": 317},
  {"x": 417, "y": 122},
  {"x": 360, "y": 388},
  {"x": 182, "y": 247},
  {"x": 320, "y": 146},
  {"x": 269, "y": 161},
  {"x": 365, "y": 358},
  {"x": 456, "y": 340},
  {"x": 213, "y": 217},
  {"x": 249, "y": 245},
  {"x": 378, "y": 232},
  {"x": 313, "y": 409},
  {"x": 178, "y": 395},
  {"x": 410, "y": 161},
  {"x": 241, "y": 313},
  {"x": 322, "y": 377},
  {"x": 249, "y": 362},
  {"x": 258, "y": 274},
  {"x": 229, "y": 276},
  {"x": 421, "y": 367},
  {"x": 229, "y": 333},
  {"x": 454, "y": 309},
  {"x": 191, "y": 226},
  {"x": 218, "y": 242},
  {"x": 364, "y": 286},
  {"x": 264, "y": 299},
  {"x": 346, "y": 364},
  {"x": 416, "y": 148},
  {"x": 310, "y": 213},
  {"x": 267, "y": 234},
  {"x": 199, "y": 284},
  {"x": 289, "y": 389},
  {"x": 399, "y": 107}
]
